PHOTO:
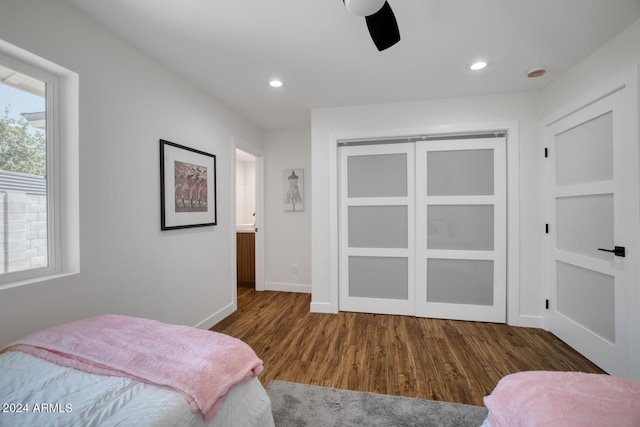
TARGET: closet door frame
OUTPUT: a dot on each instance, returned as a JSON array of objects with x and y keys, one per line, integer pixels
[{"x": 325, "y": 297}]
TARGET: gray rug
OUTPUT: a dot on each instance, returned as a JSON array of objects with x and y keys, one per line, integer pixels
[{"x": 296, "y": 404}]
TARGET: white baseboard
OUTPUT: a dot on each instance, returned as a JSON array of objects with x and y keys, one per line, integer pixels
[
  {"x": 287, "y": 287},
  {"x": 323, "y": 307},
  {"x": 217, "y": 317},
  {"x": 528, "y": 321}
]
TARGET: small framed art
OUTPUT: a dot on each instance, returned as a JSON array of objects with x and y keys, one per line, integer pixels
[
  {"x": 293, "y": 186},
  {"x": 187, "y": 187}
]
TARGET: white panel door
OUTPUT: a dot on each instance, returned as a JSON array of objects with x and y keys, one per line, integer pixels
[
  {"x": 588, "y": 216},
  {"x": 377, "y": 224},
  {"x": 461, "y": 229}
]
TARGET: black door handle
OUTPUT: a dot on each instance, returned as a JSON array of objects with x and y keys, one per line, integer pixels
[{"x": 617, "y": 251}]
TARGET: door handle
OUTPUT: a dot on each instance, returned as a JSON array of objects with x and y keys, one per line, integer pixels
[{"x": 617, "y": 251}]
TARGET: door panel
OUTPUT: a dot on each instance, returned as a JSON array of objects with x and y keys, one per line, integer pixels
[
  {"x": 365, "y": 229},
  {"x": 595, "y": 309},
  {"x": 587, "y": 210},
  {"x": 365, "y": 179},
  {"x": 378, "y": 277},
  {"x": 461, "y": 229},
  {"x": 377, "y": 222},
  {"x": 592, "y": 143},
  {"x": 466, "y": 172},
  {"x": 464, "y": 227},
  {"x": 460, "y": 281},
  {"x": 581, "y": 233}
]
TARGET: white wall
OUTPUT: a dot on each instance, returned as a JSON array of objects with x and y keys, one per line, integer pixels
[
  {"x": 438, "y": 116},
  {"x": 127, "y": 103},
  {"x": 245, "y": 192},
  {"x": 287, "y": 234},
  {"x": 617, "y": 55}
]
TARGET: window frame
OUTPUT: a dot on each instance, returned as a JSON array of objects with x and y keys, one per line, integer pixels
[{"x": 62, "y": 169}]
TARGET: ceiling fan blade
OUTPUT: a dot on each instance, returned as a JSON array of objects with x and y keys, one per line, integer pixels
[{"x": 383, "y": 27}]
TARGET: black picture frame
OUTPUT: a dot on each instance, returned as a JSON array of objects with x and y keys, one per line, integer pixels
[{"x": 188, "y": 196}]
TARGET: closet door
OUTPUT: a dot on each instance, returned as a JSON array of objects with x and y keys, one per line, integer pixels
[
  {"x": 377, "y": 220},
  {"x": 461, "y": 229}
]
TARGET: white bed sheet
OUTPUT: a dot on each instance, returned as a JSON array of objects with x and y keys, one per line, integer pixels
[{"x": 34, "y": 392}]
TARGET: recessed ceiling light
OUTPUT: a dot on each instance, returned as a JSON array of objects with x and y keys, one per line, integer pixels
[
  {"x": 477, "y": 66},
  {"x": 275, "y": 83}
]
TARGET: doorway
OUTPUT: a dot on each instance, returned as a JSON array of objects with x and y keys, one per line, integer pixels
[
  {"x": 247, "y": 214},
  {"x": 592, "y": 169}
]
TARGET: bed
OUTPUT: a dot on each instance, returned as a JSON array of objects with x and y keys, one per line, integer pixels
[
  {"x": 567, "y": 399},
  {"x": 114, "y": 370}
]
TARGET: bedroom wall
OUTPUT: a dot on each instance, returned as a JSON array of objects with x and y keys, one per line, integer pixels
[
  {"x": 620, "y": 53},
  {"x": 438, "y": 115},
  {"x": 245, "y": 191},
  {"x": 127, "y": 103},
  {"x": 287, "y": 234}
]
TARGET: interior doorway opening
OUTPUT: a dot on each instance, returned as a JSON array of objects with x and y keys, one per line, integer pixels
[{"x": 246, "y": 218}]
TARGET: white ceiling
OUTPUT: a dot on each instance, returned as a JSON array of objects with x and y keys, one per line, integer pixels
[{"x": 232, "y": 48}]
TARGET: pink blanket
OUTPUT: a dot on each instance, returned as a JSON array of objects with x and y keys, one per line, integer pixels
[
  {"x": 201, "y": 365},
  {"x": 567, "y": 399}
]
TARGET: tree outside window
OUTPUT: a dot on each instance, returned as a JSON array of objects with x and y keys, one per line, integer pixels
[{"x": 21, "y": 149}]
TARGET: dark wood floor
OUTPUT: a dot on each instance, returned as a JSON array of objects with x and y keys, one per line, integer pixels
[{"x": 434, "y": 359}]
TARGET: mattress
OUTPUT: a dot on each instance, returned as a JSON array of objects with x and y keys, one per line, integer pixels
[{"x": 34, "y": 392}]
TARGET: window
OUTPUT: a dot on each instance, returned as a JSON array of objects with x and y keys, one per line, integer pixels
[{"x": 36, "y": 120}]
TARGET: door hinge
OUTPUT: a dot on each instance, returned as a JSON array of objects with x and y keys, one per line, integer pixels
[
  {"x": 546, "y": 304},
  {"x": 546, "y": 152},
  {"x": 546, "y": 228}
]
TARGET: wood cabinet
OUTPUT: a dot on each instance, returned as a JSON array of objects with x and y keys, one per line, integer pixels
[{"x": 246, "y": 258}]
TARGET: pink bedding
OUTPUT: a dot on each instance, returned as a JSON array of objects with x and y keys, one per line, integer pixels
[
  {"x": 568, "y": 399},
  {"x": 201, "y": 365}
]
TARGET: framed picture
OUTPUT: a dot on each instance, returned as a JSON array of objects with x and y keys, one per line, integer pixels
[
  {"x": 187, "y": 187},
  {"x": 293, "y": 185}
]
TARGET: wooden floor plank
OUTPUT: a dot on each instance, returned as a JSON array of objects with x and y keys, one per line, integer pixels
[{"x": 446, "y": 360}]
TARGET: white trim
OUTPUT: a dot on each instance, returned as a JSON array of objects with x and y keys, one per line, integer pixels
[
  {"x": 323, "y": 307},
  {"x": 595, "y": 94},
  {"x": 514, "y": 317},
  {"x": 233, "y": 270},
  {"x": 69, "y": 155},
  {"x": 288, "y": 287},
  {"x": 217, "y": 317},
  {"x": 334, "y": 232},
  {"x": 586, "y": 105},
  {"x": 513, "y": 204},
  {"x": 530, "y": 321},
  {"x": 259, "y": 222},
  {"x": 236, "y": 143},
  {"x": 633, "y": 229}
]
